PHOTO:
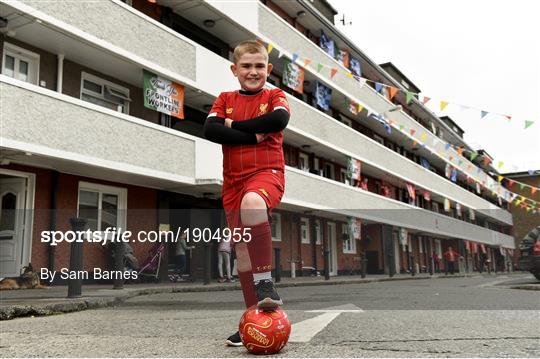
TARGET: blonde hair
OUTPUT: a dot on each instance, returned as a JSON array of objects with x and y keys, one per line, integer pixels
[{"x": 249, "y": 47}]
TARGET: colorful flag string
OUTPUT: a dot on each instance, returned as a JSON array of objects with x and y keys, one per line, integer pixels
[{"x": 391, "y": 93}]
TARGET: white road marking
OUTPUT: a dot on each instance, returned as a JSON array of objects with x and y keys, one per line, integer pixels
[{"x": 303, "y": 331}]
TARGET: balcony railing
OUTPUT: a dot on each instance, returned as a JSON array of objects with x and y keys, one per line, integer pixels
[
  {"x": 337, "y": 198},
  {"x": 65, "y": 129}
]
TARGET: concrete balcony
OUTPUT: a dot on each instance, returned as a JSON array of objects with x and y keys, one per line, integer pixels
[
  {"x": 73, "y": 136},
  {"x": 334, "y": 198},
  {"x": 343, "y": 139},
  {"x": 91, "y": 22}
]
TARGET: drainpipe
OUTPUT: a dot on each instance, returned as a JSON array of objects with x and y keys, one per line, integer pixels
[
  {"x": 52, "y": 222},
  {"x": 60, "y": 73}
]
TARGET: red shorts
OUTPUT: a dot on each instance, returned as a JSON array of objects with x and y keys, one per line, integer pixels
[{"x": 269, "y": 184}]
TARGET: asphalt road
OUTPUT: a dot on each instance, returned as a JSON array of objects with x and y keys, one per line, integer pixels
[{"x": 454, "y": 317}]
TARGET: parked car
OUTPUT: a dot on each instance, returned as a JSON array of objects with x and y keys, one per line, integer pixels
[{"x": 530, "y": 252}]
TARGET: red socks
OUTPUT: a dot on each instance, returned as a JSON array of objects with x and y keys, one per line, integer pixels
[
  {"x": 260, "y": 256},
  {"x": 260, "y": 248}
]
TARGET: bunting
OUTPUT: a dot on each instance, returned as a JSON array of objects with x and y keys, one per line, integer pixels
[{"x": 328, "y": 45}]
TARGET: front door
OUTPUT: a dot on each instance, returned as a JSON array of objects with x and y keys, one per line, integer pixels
[
  {"x": 331, "y": 233},
  {"x": 12, "y": 200}
]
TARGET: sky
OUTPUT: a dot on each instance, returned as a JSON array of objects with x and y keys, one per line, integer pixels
[{"x": 477, "y": 53}]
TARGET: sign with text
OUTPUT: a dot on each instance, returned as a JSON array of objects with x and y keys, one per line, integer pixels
[{"x": 163, "y": 95}]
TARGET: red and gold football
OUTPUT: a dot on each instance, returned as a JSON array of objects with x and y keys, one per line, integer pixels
[{"x": 264, "y": 332}]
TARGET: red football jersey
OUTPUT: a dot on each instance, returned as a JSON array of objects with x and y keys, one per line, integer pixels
[{"x": 242, "y": 160}]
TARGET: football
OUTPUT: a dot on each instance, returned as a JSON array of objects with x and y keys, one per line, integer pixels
[{"x": 264, "y": 332}]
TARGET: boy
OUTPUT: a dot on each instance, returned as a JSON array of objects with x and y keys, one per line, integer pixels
[{"x": 249, "y": 123}]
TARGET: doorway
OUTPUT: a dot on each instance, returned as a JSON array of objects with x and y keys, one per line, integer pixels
[{"x": 16, "y": 202}]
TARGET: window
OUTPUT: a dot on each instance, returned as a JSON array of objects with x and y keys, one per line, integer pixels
[
  {"x": 304, "y": 230},
  {"x": 103, "y": 206},
  {"x": 104, "y": 93},
  {"x": 349, "y": 244},
  {"x": 20, "y": 64},
  {"x": 303, "y": 161},
  {"x": 329, "y": 171},
  {"x": 318, "y": 235},
  {"x": 275, "y": 227}
]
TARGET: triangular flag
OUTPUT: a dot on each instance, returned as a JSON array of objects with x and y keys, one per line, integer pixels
[
  {"x": 450, "y": 158},
  {"x": 460, "y": 162},
  {"x": 401, "y": 127},
  {"x": 319, "y": 67},
  {"x": 280, "y": 55},
  {"x": 483, "y": 114},
  {"x": 333, "y": 72},
  {"x": 510, "y": 183},
  {"x": 414, "y": 143},
  {"x": 294, "y": 57},
  {"x": 412, "y": 131},
  {"x": 270, "y": 48},
  {"x": 423, "y": 137},
  {"x": 443, "y": 105},
  {"x": 530, "y": 172},
  {"x": 447, "y": 147},
  {"x": 469, "y": 167},
  {"x": 410, "y": 96},
  {"x": 500, "y": 164},
  {"x": 508, "y": 117},
  {"x": 360, "y": 108},
  {"x": 378, "y": 87},
  {"x": 528, "y": 124},
  {"x": 521, "y": 186},
  {"x": 486, "y": 161},
  {"x": 393, "y": 92},
  {"x": 474, "y": 154},
  {"x": 533, "y": 190},
  {"x": 460, "y": 151},
  {"x": 426, "y": 99},
  {"x": 500, "y": 178},
  {"x": 349, "y": 75},
  {"x": 306, "y": 62}
]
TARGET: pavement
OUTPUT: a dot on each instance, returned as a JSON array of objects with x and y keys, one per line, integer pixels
[{"x": 53, "y": 300}]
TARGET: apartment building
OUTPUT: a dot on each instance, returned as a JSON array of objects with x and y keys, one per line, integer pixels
[{"x": 77, "y": 140}]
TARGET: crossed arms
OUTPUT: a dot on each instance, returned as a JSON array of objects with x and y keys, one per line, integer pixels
[{"x": 248, "y": 132}]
